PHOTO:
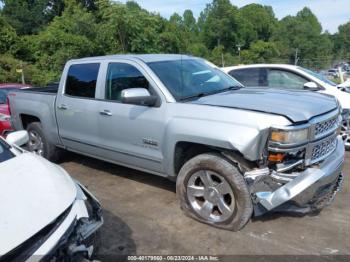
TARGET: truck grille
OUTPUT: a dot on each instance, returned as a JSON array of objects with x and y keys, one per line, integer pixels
[
  {"x": 322, "y": 139},
  {"x": 326, "y": 127},
  {"x": 323, "y": 148}
]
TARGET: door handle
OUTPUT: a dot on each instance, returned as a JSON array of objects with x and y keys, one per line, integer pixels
[
  {"x": 106, "y": 113},
  {"x": 62, "y": 107}
]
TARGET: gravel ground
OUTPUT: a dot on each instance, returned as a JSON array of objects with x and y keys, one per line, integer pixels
[{"x": 142, "y": 217}]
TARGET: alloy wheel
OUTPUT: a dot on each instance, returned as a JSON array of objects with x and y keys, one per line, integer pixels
[
  {"x": 35, "y": 143},
  {"x": 345, "y": 132},
  {"x": 210, "y": 196}
]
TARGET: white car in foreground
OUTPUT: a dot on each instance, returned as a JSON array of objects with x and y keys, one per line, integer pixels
[
  {"x": 44, "y": 213},
  {"x": 293, "y": 77}
]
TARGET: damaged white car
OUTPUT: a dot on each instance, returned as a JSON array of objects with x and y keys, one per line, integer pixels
[{"x": 44, "y": 213}]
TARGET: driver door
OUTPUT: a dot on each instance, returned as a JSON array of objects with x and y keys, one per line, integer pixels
[{"x": 130, "y": 134}]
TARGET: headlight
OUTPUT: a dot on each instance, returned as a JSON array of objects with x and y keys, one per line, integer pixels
[{"x": 290, "y": 136}]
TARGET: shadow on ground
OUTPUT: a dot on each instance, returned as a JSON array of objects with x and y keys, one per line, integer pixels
[
  {"x": 121, "y": 171},
  {"x": 117, "y": 242}
]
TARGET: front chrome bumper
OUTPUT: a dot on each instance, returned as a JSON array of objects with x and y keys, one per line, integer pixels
[{"x": 306, "y": 186}]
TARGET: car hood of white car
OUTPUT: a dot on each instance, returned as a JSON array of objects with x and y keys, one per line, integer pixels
[{"x": 33, "y": 193}]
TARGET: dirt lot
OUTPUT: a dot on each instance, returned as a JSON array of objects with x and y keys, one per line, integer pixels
[{"x": 142, "y": 217}]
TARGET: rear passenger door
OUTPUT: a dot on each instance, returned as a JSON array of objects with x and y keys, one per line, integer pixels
[
  {"x": 250, "y": 77},
  {"x": 76, "y": 107}
]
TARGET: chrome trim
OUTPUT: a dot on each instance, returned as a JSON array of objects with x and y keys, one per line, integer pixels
[
  {"x": 313, "y": 139},
  {"x": 310, "y": 148},
  {"x": 256, "y": 173},
  {"x": 329, "y": 169},
  {"x": 291, "y": 166}
]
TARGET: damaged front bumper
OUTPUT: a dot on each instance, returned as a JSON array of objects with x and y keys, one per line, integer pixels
[
  {"x": 80, "y": 239},
  {"x": 301, "y": 192}
]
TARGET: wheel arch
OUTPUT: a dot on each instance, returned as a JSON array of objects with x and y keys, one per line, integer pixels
[
  {"x": 185, "y": 150},
  {"x": 27, "y": 119}
]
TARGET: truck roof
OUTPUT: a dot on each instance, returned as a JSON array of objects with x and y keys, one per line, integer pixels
[{"x": 147, "y": 58}]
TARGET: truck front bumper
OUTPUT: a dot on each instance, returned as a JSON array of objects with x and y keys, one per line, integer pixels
[{"x": 310, "y": 190}]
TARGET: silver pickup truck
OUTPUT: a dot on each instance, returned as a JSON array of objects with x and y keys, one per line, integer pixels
[{"x": 233, "y": 152}]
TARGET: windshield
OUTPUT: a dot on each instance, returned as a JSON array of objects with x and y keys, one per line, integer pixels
[
  {"x": 191, "y": 78},
  {"x": 5, "y": 153},
  {"x": 318, "y": 76}
]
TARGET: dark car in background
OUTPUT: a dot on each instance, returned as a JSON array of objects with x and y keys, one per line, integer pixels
[{"x": 5, "y": 125}]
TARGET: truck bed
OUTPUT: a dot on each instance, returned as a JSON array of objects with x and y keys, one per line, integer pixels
[
  {"x": 38, "y": 103},
  {"x": 52, "y": 88}
]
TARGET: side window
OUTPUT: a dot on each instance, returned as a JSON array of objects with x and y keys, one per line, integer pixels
[
  {"x": 285, "y": 79},
  {"x": 122, "y": 76},
  {"x": 249, "y": 77},
  {"x": 81, "y": 80}
]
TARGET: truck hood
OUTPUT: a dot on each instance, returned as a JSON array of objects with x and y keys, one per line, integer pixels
[
  {"x": 33, "y": 193},
  {"x": 297, "y": 106}
]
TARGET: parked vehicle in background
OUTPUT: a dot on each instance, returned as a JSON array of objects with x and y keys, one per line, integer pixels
[
  {"x": 345, "y": 86},
  {"x": 44, "y": 212},
  {"x": 5, "y": 124},
  {"x": 333, "y": 73},
  {"x": 292, "y": 77},
  {"x": 230, "y": 149}
]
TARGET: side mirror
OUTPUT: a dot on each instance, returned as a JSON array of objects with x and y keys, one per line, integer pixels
[
  {"x": 312, "y": 86},
  {"x": 18, "y": 138},
  {"x": 138, "y": 96}
]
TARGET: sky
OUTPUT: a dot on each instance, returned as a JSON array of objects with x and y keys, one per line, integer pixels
[{"x": 331, "y": 13}]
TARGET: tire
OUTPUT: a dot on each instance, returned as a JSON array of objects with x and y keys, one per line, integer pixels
[
  {"x": 226, "y": 179},
  {"x": 345, "y": 133},
  {"x": 39, "y": 144}
]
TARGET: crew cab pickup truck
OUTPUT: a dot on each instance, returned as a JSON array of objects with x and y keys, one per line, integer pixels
[{"x": 233, "y": 152}]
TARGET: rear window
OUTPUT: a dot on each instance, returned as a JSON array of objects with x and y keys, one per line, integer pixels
[
  {"x": 81, "y": 80},
  {"x": 250, "y": 77}
]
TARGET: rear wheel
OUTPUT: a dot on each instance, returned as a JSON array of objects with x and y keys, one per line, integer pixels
[
  {"x": 38, "y": 143},
  {"x": 213, "y": 191}
]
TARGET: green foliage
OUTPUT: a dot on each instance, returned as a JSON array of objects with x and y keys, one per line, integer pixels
[
  {"x": 342, "y": 41},
  {"x": 28, "y": 17},
  {"x": 219, "y": 25},
  {"x": 125, "y": 29},
  {"x": 260, "y": 52},
  {"x": 304, "y": 32},
  {"x": 8, "y": 37},
  {"x": 43, "y": 34},
  {"x": 68, "y": 36},
  {"x": 8, "y": 66},
  {"x": 261, "y": 19}
]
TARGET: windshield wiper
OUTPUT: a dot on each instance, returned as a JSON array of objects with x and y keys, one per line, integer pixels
[{"x": 199, "y": 95}]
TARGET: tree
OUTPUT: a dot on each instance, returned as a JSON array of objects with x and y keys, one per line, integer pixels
[
  {"x": 190, "y": 22},
  {"x": 219, "y": 25},
  {"x": 342, "y": 41},
  {"x": 260, "y": 52},
  {"x": 261, "y": 19},
  {"x": 8, "y": 37},
  {"x": 120, "y": 31},
  {"x": 69, "y": 36},
  {"x": 304, "y": 33},
  {"x": 29, "y": 16}
]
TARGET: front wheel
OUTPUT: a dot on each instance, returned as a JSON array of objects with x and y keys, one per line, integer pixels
[{"x": 213, "y": 191}]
